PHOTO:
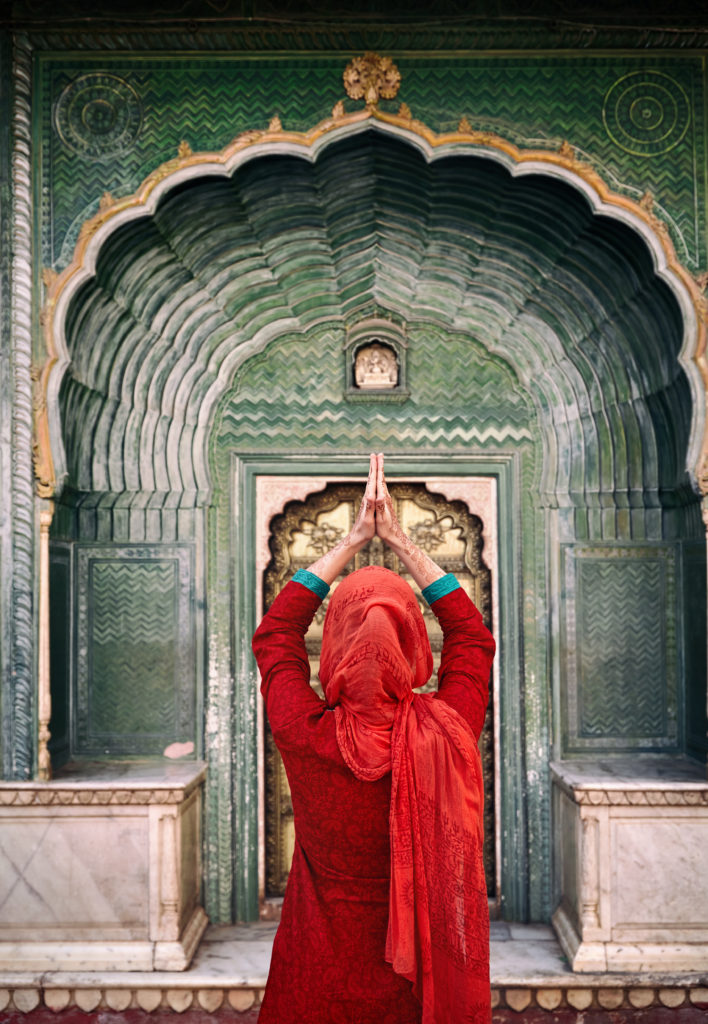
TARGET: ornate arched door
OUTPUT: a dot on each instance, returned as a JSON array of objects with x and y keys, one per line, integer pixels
[{"x": 301, "y": 534}]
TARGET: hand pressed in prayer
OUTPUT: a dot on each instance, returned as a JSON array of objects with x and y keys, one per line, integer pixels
[
  {"x": 364, "y": 527},
  {"x": 421, "y": 567},
  {"x": 388, "y": 527},
  {"x": 329, "y": 566}
]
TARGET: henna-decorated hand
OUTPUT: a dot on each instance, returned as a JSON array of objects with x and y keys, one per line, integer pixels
[
  {"x": 421, "y": 567},
  {"x": 329, "y": 566},
  {"x": 364, "y": 527},
  {"x": 387, "y": 526}
]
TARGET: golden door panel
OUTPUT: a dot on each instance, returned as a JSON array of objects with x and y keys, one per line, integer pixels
[{"x": 307, "y": 529}]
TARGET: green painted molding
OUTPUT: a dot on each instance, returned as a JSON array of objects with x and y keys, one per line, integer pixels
[
  {"x": 6, "y": 397},
  {"x": 244, "y": 26},
  {"x": 18, "y": 529}
]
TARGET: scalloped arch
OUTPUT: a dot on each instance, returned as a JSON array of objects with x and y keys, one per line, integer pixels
[{"x": 217, "y": 254}]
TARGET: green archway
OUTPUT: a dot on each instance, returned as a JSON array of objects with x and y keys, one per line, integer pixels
[{"x": 547, "y": 346}]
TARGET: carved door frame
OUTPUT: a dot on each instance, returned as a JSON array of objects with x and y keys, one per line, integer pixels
[{"x": 480, "y": 495}]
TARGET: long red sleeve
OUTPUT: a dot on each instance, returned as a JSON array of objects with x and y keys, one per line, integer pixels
[
  {"x": 467, "y": 655},
  {"x": 279, "y": 647}
]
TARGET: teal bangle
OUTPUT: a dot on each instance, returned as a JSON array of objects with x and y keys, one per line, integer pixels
[
  {"x": 312, "y": 582},
  {"x": 439, "y": 588}
]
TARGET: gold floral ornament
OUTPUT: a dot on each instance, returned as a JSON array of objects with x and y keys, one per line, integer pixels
[
  {"x": 322, "y": 536},
  {"x": 428, "y": 534},
  {"x": 371, "y": 78}
]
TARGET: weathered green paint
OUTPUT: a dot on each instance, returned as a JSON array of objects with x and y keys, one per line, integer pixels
[
  {"x": 135, "y": 682},
  {"x": 61, "y": 634}
]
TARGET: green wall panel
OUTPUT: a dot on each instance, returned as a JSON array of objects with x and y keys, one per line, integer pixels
[
  {"x": 107, "y": 121},
  {"x": 693, "y": 613},
  {"x": 135, "y": 664},
  {"x": 621, "y": 649}
]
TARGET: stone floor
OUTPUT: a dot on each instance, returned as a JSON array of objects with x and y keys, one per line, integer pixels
[{"x": 531, "y": 980}]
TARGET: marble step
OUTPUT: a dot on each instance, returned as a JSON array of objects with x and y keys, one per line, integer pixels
[{"x": 529, "y": 974}]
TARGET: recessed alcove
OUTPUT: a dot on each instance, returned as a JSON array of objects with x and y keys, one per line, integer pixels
[{"x": 375, "y": 361}]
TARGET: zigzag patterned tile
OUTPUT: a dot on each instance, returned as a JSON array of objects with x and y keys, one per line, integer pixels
[
  {"x": 132, "y": 650},
  {"x": 532, "y": 100},
  {"x": 303, "y": 393},
  {"x": 623, "y": 653}
]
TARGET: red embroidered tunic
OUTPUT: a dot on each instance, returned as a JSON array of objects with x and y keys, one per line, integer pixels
[{"x": 328, "y": 963}]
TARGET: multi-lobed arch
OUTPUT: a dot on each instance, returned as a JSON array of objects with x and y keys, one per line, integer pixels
[{"x": 172, "y": 289}]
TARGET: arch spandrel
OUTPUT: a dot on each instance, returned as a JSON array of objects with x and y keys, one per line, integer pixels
[{"x": 232, "y": 327}]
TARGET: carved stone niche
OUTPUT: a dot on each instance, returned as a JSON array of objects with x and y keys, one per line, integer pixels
[{"x": 375, "y": 361}]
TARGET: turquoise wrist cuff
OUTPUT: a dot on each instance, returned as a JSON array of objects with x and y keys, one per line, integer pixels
[
  {"x": 312, "y": 582},
  {"x": 439, "y": 588}
]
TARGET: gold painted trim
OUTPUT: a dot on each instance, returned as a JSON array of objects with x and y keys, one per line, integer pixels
[{"x": 276, "y": 135}]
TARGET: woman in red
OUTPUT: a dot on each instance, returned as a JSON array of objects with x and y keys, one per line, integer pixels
[{"x": 385, "y": 914}]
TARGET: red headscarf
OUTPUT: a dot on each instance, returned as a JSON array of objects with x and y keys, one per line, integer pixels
[{"x": 375, "y": 651}]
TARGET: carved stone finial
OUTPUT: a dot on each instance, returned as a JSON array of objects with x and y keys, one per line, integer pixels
[
  {"x": 404, "y": 111},
  {"x": 371, "y": 78},
  {"x": 338, "y": 110},
  {"x": 566, "y": 150},
  {"x": 647, "y": 202},
  {"x": 275, "y": 124},
  {"x": 464, "y": 127},
  {"x": 184, "y": 150},
  {"x": 105, "y": 202},
  {"x": 49, "y": 276}
]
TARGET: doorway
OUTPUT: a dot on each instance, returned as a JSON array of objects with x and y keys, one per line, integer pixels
[{"x": 454, "y": 536}]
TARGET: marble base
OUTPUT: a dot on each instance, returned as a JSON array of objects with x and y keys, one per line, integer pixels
[
  {"x": 529, "y": 975},
  {"x": 630, "y": 864},
  {"x": 100, "y": 869}
]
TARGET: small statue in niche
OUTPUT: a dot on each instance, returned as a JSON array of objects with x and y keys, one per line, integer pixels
[{"x": 376, "y": 366}]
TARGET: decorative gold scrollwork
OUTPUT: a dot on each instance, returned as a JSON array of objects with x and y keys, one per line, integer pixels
[{"x": 371, "y": 78}]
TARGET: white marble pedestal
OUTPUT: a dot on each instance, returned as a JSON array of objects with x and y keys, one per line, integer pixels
[
  {"x": 100, "y": 869},
  {"x": 631, "y": 859}
]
